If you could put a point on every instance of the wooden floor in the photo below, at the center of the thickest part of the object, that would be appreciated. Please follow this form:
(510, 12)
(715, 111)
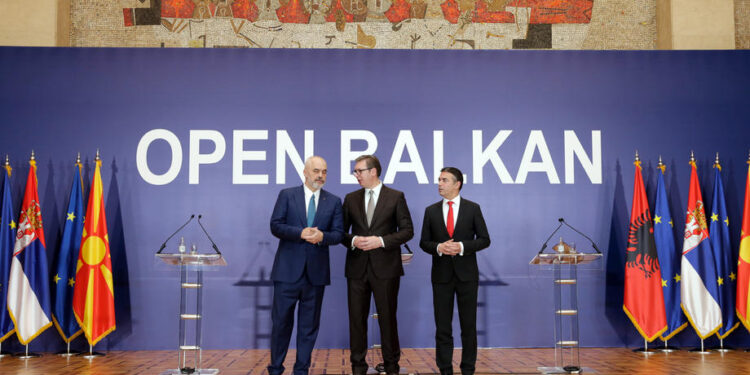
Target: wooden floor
(417, 361)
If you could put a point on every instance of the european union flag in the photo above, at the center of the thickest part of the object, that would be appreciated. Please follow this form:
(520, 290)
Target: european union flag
(64, 279)
(7, 241)
(719, 230)
(669, 260)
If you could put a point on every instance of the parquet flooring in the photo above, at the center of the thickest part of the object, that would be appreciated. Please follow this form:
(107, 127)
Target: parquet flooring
(417, 361)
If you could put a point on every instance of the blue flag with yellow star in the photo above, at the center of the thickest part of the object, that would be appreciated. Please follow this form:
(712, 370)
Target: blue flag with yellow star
(725, 267)
(669, 259)
(7, 241)
(64, 279)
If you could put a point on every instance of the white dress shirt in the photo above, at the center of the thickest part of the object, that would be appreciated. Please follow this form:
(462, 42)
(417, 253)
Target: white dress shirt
(375, 195)
(456, 204)
(309, 193)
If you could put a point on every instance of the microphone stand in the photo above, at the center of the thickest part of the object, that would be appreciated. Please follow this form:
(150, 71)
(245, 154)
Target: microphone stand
(544, 246)
(213, 244)
(163, 245)
(579, 232)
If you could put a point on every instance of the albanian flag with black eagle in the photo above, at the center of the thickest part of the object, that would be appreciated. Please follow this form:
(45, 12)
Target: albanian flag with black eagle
(644, 299)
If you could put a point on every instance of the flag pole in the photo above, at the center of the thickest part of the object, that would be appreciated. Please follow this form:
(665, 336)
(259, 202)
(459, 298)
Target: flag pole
(27, 354)
(92, 354)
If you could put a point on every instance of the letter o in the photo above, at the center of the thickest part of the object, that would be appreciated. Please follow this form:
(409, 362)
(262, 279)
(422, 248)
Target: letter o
(141, 160)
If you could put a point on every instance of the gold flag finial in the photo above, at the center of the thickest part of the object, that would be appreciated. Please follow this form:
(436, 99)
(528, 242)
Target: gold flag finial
(692, 158)
(7, 164)
(661, 166)
(637, 161)
(716, 162)
(33, 157)
(97, 155)
(78, 158)
(748, 157)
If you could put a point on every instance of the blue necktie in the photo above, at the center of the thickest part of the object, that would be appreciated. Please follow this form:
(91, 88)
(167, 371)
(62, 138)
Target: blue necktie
(311, 211)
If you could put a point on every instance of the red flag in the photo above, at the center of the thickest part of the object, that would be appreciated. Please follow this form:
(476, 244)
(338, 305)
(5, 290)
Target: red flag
(743, 263)
(644, 299)
(93, 296)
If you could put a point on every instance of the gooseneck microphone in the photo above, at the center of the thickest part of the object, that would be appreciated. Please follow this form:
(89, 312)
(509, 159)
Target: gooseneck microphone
(544, 246)
(163, 245)
(213, 244)
(579, 232)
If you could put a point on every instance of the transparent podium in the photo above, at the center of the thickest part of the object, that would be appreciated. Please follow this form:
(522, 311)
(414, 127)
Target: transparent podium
(563, 263)
(191, 267)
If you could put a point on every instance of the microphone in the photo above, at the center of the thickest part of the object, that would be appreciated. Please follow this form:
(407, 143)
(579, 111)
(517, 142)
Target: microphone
(579, 232)
(551, 234)
(207, 235)
(163, 245)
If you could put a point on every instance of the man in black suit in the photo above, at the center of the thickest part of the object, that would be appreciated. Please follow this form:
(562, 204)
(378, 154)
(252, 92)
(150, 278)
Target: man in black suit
(453, 231)
(380, 222)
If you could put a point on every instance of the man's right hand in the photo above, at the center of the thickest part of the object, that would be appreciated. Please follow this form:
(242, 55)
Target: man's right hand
(307, 233)
(449, 248)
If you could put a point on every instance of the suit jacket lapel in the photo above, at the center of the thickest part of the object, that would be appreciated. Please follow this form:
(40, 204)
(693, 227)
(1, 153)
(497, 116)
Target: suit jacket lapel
(322, 205)
(300, 197)
(384, 194)
(461, 215)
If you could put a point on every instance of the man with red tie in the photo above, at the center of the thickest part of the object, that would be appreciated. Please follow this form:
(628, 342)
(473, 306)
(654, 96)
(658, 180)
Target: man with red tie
(452, 232)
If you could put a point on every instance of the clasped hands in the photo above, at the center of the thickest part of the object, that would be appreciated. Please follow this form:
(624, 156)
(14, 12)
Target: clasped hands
(367, 243)
(449, 248)
(312, 235)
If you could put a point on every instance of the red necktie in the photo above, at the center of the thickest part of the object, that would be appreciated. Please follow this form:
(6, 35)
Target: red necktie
(449, 220)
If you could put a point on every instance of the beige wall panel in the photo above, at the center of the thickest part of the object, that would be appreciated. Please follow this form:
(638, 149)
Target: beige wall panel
(28, 22)
(697, 24)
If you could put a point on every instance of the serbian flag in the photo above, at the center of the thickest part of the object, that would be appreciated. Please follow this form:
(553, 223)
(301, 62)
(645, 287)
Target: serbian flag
(722, 250)
(64, 279)
(669, 260)
(743, 263)
(28, 287)
(644, 299)
(700, 287)
(7, 239)
(93, 296)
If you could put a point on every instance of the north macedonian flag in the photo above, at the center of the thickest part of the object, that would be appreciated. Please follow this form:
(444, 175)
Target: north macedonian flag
(28, 287)
(644, 298)
(743, 263)
(93, 296)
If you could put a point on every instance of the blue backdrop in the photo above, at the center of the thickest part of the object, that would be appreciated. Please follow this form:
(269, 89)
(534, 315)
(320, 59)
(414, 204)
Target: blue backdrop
(62, 101)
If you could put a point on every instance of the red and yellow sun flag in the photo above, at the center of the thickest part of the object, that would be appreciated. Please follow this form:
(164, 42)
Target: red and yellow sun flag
(93, 297)
(743, 263)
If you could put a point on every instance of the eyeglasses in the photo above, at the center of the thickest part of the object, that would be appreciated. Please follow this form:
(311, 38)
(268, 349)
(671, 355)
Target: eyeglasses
(359, 171)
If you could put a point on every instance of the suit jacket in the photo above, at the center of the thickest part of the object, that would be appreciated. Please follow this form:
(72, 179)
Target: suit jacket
(391, 220)
(294, 254)
(470, 229)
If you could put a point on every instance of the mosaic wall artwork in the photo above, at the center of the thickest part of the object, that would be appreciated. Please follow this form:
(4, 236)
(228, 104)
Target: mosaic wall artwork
(415, 24)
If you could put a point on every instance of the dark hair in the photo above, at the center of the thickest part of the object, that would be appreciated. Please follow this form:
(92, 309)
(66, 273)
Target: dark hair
(371, 161)
(456, 173)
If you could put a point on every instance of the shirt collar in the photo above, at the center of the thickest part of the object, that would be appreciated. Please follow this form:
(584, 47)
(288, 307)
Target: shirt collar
(309, 192)
(376, 189)
(456, 200)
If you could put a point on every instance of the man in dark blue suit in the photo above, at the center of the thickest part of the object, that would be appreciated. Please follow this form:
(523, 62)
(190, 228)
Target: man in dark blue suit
(307, 220)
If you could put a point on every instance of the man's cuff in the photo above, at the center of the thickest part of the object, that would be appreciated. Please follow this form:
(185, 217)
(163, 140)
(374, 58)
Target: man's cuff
(437, 250)
(462, 249)
(352, 245)
(382, 243)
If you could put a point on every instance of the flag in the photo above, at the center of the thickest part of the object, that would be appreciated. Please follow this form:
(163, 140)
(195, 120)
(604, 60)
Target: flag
(64, 278)
(644, 299)
(7, 239)
(28, 287)
(722, 249)
(743, 262)
(669, 260)
(699, 289)
(93, 295)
